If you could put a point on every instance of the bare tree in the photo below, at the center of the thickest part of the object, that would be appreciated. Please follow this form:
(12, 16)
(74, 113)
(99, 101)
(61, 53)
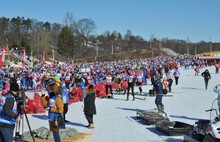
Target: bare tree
(127, 38)
(38, 38)
(85, 27)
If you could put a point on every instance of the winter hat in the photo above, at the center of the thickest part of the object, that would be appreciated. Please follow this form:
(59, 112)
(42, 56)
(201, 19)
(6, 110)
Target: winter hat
(14, 86)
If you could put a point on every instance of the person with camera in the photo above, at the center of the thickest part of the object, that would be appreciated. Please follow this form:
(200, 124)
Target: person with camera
(54, 104)
(11, 112)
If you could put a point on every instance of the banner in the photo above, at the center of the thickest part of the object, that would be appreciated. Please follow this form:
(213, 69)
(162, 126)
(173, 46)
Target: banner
(24, 57)
(2, 57)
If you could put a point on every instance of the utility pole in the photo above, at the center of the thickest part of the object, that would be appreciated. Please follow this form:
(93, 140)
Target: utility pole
(160, 47)
(97, 48)
(152, 51)
(112, 47)
(195, 51)
(187, 47)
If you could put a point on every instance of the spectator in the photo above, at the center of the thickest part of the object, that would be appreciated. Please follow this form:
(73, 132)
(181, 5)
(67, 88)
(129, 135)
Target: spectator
(206, 76)
(54, 104)
(65, 100)
(89, 107)
(158, 87)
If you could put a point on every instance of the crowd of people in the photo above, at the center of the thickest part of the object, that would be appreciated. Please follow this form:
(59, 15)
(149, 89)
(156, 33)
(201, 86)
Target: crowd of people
(57, 81)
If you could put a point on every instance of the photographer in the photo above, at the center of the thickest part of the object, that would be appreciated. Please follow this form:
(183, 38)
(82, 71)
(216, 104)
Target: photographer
(10, 112)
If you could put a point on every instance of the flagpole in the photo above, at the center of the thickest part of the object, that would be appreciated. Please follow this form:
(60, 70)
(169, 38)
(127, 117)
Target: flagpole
(43, 58)
(53, 56)
(32, 62)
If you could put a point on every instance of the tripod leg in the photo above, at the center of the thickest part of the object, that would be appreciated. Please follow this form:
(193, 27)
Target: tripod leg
(22, 129)
(29, 126)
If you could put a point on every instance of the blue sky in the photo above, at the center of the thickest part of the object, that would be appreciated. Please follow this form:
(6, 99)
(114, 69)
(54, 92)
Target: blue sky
(174, 19)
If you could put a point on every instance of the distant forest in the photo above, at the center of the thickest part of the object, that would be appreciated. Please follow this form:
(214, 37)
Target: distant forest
(76, 39)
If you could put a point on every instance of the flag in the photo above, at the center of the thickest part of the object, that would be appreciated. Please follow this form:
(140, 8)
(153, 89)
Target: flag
(32, 60)
(43, 58)
(24, 57)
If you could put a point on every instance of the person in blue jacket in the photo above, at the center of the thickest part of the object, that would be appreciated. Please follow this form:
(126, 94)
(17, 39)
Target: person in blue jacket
(65, 97)
(158, 87)
(217, 90)
(10, 112)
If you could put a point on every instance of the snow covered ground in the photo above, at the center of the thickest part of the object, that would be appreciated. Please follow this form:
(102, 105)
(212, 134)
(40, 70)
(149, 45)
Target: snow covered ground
(116, 118)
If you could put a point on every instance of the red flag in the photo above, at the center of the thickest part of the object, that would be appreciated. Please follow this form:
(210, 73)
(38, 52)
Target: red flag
(43, 58)
(2, 57)
(24, 57)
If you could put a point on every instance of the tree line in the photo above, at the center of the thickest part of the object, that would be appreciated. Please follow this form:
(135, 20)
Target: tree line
(76, 39)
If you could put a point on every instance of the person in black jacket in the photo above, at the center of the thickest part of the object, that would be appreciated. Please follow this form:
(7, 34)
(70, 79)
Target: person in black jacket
(131, 81)
(89, 106)
(10, 112)
(206, 76)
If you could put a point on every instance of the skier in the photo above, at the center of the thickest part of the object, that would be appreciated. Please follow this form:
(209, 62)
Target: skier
(176, 75)
(139, 81)
(131, 82)
(216, 68)
(109, 82)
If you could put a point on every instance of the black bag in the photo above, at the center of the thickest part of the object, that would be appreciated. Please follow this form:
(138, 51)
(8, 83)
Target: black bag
(151, 92)
(59, 122)
(165, 91)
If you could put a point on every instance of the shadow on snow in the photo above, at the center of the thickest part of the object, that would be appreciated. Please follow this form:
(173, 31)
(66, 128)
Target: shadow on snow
(183, 117)
(45, 117)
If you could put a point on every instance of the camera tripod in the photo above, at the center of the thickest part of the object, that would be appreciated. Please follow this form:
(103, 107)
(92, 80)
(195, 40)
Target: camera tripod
(18, 136)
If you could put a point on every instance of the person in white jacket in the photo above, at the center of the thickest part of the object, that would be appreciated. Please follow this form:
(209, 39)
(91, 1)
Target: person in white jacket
(217, 90)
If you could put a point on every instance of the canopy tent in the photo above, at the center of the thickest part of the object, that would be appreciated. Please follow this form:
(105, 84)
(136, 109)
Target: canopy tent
(209, 57)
